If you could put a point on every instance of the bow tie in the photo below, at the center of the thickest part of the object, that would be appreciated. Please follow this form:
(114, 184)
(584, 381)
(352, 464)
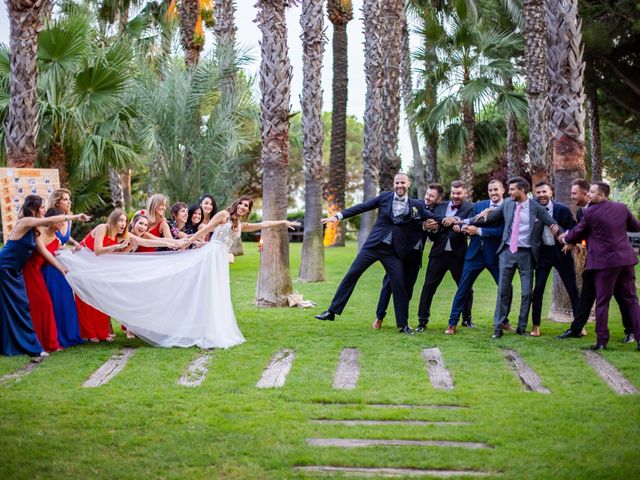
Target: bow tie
(454, 207)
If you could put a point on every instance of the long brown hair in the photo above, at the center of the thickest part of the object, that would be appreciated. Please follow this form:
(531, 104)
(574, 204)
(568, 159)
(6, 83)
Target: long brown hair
(233, 209)
(112, 225)
(56, 196)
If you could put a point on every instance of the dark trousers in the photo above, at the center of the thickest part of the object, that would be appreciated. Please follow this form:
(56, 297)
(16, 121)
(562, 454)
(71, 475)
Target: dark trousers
(436, 270)
(551, 256)
(393, 266)
(470, 272)
(588, 298)
(411, 264)
(607, 282)
(522, 261)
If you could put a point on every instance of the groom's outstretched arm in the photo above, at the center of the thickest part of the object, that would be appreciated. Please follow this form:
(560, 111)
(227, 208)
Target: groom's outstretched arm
(355, 210)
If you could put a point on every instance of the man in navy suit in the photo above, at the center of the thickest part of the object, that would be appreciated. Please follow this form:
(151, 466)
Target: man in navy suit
(412, 262)
(609, 254)
(447, 254)
(397, 230)
(552, 255)
(481, 253)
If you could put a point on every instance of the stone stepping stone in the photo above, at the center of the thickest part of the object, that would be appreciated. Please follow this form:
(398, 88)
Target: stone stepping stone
(276, 372)
(348, 370)
(110, 368)
(610, 374)
(389, 472)
(376, 442)
(392, 405)
(195, 372)
(525, 373)
(21, 372)
(438, 373)
(384, 422)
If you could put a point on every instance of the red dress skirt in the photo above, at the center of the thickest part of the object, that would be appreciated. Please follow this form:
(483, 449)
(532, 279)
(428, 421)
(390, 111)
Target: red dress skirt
(42, 316)
(93, 323)
(155, 231)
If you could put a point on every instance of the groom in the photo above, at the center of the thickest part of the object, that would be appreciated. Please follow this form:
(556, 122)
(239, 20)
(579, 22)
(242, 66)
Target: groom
(398, 230)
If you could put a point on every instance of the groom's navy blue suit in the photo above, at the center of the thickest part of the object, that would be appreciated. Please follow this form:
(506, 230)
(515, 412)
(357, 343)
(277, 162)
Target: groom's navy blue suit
(391, 239)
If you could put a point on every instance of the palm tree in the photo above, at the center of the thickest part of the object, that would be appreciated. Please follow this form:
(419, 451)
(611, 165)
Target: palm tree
(392, 21)
(371, 153)
(274, 278)
(311, 21)
(340, 12)
(26, 19)
(193, 16)
(225, 28)
(535, 55)
(566, 91)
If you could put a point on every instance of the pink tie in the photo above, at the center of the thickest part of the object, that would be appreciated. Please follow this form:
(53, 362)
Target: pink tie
(513, 243)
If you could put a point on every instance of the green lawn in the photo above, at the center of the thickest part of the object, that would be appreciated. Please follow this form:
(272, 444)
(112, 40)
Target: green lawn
(143, 425)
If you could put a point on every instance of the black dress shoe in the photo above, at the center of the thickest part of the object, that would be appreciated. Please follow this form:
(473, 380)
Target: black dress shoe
(521, 331)
(629, 338)
(468, 324)
(568, 334)
(422, 326)
(326, 315)
(407, 329)
(598, 346)
(497, 334)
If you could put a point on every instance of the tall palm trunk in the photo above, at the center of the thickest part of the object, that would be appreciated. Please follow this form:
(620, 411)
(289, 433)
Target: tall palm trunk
(26, 19)
(392, 22)
(311, 21)
(566, 75)
(274, 278)
(407, 93)
(594, 134)
(535, 56)
(192, 43)
(340, 12)
(371, 152)
(431, 154)
(513, 160)
(469, 154)
(431, 93)
(225, 28)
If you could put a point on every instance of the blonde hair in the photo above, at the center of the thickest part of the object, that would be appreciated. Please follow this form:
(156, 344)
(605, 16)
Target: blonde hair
(153, 202)
(56, 196)
(112, 225)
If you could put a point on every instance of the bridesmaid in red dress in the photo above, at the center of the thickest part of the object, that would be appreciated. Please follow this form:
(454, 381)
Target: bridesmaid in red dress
(42, 314)
(158, 226)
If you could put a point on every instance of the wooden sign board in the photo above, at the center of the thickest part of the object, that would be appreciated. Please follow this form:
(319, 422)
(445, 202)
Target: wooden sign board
(16, 184)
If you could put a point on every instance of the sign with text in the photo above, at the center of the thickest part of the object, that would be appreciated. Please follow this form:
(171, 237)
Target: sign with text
(16, 184)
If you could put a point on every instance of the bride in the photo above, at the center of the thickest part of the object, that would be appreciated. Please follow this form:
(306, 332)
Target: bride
(170, 299)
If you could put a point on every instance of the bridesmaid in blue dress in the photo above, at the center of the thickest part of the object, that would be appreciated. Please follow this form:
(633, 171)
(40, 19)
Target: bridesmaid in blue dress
(17, 335)
(64, 305)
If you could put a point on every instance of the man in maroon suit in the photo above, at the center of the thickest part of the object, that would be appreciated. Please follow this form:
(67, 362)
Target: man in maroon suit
(604, 225)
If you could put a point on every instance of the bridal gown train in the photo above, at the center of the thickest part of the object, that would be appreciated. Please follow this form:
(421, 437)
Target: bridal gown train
(169, 299)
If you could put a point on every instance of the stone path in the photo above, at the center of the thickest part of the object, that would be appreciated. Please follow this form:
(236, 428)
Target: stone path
(348, 371)
(610, 374)
(195, 372)
(438, 373)
(389, 472)
(21, 372)
(109, 369)
(525, 373)
(276, 373)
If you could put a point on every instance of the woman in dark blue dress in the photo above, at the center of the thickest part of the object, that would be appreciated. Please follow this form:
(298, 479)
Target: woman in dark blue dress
(17, 335)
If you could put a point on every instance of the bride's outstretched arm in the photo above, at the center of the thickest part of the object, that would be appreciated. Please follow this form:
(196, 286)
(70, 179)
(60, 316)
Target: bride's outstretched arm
(216, 220)
(254, 227)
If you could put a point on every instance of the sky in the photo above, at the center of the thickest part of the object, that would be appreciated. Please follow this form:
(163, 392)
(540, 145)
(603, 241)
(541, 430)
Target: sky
(248, 36)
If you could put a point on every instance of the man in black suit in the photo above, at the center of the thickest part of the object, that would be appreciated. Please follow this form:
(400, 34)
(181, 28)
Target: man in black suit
(397, 230)
(447, 254)
(412, 262)
(553, 255)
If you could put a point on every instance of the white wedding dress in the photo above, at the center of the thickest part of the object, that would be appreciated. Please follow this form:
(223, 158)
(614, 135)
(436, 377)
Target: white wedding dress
(169, 299)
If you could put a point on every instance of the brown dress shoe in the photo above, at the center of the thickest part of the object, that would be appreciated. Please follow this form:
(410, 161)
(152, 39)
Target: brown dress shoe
(506, 326)
(377, 324)
(451, 330)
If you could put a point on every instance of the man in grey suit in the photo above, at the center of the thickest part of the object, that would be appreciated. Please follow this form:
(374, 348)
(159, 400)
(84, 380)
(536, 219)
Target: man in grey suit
(524, 222)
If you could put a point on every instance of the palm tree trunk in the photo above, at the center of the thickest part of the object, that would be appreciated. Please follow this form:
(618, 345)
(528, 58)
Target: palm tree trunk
(225, 28)
(371, 152)
(407, 93)
(334, 233)
(594, 135)
(513, 161)
(26, 19)
(274, 278)
(535, 55)
(566, 74)
(311, 21)
(192, 44)
(432, 175)
(392, 16)
(469, 155)
(117, 197)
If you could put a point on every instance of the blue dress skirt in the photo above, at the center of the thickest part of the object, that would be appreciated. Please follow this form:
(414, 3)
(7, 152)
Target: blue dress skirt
(64, 304)
(17, 335)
